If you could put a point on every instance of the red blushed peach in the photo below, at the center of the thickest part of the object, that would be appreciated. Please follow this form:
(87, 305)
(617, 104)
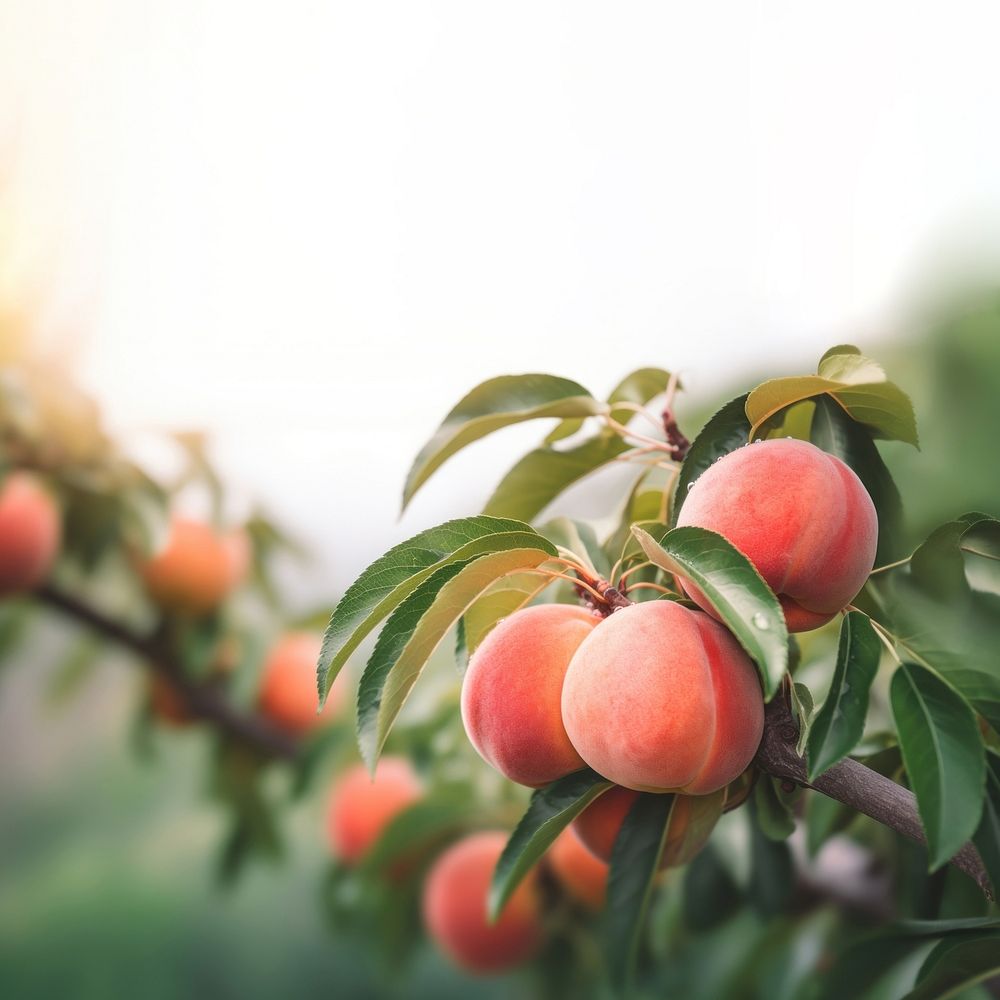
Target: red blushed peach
(583, 876)
(29, 533)
(658, 698)
(801, 516)
(196, 570)
(512, 690)
(454, 907)
(361, 808)
(288, 694)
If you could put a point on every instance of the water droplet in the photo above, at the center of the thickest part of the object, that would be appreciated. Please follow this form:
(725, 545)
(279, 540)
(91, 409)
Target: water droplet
(761, 621)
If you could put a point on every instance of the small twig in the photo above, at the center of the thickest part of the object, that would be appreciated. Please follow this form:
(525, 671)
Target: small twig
(204, 700)
(676, 440)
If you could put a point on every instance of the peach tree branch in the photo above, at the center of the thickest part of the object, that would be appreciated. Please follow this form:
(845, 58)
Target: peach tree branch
(203, 699)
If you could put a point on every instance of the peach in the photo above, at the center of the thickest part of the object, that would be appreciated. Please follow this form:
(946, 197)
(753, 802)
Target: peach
(801, 516)
(512, 690)
(454, 907)
(659, 698)
(581, 874)
(30, 531)
(197, 569)
(288, 694)
(361, 808)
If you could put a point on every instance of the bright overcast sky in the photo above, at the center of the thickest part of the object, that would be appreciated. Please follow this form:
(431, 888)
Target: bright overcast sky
(311, 227)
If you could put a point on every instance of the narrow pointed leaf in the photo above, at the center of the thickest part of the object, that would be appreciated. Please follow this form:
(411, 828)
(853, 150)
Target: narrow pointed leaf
(740, 597)
(492, 405)
(635, 860)
(839, 724)
(943, 755)
(639, 387)
(538, 478)
(691, 823)
(550, 811)
(836, 433)
(395, 575)
(726, 431)
(415, 630)
(957, 964)
(497, 602)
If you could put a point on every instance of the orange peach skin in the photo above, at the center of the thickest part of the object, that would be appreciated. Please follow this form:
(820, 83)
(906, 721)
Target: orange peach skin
(581, 874)
(512, 691)
(454, 908)
(288, 694)
(658, 698)
(29, 533)
(197, 569)
(360, 808)
(801, 516)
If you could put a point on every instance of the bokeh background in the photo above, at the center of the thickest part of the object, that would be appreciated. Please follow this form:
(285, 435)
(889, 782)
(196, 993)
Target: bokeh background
(308, 228)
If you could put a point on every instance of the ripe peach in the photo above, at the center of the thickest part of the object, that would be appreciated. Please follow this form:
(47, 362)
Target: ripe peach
(580, 873)
(29, 533)
(512, 691)
(361, 808)
(197, 569)
(454, 905)
(801, 516)
(658, 698)
(288, 694)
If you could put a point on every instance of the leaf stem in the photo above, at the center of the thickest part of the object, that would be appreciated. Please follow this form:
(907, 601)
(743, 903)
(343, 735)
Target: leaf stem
(888, 566)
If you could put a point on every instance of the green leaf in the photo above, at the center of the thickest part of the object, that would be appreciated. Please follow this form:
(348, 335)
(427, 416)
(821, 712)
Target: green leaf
(858, 384)
(726, 431)
(691, 823)
(774, 817)
(635, 860)
(395, 575)
(580, 539)
(837, 434)
(538, 478)
(957, 964)
(639, 387)
(710, 891)
(495, 404)
(802, 707)
(772, 873)
(550, 811)
(499, 601)
(987, 835)
(735, 589)
(824, 818)
(414, 631)
(839, 724)
(956, 636)
(944, 758)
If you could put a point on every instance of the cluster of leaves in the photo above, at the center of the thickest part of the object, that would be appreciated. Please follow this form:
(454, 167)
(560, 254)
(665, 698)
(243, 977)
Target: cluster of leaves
(930, 619)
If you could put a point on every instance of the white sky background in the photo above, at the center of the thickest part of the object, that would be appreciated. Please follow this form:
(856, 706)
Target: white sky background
(310, 228)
